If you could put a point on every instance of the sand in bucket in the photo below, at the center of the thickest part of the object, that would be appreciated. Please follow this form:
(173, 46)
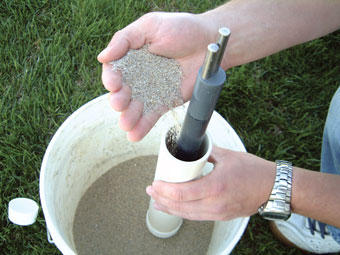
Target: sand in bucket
(110, 218)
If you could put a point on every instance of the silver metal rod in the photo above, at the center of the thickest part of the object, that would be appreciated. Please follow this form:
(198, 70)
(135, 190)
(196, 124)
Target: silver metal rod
(210, 61)
(222, 43)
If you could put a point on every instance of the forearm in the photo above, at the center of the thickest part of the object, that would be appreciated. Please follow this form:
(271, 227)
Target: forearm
(316, 195)
(262, 27)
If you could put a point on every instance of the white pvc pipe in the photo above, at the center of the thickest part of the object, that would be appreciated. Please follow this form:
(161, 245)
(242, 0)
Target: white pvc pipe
(171, 169)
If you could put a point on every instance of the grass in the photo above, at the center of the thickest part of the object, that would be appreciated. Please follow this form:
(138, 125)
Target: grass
(277, 105)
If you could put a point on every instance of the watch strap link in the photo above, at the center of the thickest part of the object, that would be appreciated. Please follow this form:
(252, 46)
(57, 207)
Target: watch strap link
(278, 204)
(282, 189)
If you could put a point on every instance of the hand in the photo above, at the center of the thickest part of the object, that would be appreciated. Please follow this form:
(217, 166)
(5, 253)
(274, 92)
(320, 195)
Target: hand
(182, 36)
(238, 185)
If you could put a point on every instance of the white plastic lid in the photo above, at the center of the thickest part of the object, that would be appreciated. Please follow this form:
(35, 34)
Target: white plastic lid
(22, 211)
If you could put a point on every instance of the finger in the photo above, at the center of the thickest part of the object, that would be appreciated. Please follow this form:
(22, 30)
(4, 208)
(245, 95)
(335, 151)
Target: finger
(187, 191)
(217, 154)
(143, 126)
(120, 99)
(181, 211)
(201, 209)
(116, 49)
(131, 115)
(131, 37)
(193, 210)
(112, 80)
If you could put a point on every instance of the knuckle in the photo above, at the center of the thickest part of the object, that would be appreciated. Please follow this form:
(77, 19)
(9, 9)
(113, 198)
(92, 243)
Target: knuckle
(118, 34)
(177, 195)
(151, 19)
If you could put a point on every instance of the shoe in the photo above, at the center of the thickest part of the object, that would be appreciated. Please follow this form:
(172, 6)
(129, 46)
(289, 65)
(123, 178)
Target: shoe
(303, 233)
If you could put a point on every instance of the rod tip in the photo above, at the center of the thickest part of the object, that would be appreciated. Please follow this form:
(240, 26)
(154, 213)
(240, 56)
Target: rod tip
(213, 47)
(224, 31)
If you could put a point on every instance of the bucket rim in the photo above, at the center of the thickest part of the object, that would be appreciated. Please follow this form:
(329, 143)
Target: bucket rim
(57, 239)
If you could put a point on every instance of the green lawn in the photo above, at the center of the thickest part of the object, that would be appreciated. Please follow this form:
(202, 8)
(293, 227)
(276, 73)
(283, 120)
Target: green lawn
(49, 69)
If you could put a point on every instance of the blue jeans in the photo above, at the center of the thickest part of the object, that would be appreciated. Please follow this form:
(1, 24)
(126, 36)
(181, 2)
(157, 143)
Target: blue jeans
(330, 154)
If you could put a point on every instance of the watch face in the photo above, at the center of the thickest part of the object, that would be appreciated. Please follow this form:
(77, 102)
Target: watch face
(274, 216)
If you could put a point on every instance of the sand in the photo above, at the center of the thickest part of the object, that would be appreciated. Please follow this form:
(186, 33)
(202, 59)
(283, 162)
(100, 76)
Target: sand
(154, 80)
(110, 218)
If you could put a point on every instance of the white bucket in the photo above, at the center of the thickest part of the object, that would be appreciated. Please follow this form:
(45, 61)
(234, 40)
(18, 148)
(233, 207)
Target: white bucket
(91, 139)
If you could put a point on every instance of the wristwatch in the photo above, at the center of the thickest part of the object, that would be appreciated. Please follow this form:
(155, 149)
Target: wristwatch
(278, 205)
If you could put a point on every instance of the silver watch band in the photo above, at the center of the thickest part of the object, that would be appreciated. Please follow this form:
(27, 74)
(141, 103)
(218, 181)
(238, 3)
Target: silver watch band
(282, 190)
(278, 205)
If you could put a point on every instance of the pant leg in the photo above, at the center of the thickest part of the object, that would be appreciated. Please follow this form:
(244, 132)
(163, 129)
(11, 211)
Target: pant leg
(330, 154)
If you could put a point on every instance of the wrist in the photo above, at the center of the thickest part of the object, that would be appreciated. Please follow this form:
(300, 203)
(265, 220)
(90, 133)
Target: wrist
(261, 175)
(213, 20)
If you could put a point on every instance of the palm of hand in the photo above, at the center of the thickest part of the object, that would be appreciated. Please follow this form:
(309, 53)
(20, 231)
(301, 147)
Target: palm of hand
(174, 35)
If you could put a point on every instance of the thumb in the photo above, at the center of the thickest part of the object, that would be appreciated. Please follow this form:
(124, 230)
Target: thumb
(131, 37)
(217, 154)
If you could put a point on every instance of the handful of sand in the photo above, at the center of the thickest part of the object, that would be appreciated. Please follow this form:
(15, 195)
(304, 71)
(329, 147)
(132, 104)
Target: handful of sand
(154, 80)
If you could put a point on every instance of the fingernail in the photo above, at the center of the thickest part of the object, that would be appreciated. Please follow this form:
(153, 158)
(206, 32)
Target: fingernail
(101, 54)
(149, 190)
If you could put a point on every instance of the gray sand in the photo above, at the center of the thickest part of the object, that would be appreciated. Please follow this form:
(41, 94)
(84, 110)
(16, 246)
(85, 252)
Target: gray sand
(154, 80)
(110, 218)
